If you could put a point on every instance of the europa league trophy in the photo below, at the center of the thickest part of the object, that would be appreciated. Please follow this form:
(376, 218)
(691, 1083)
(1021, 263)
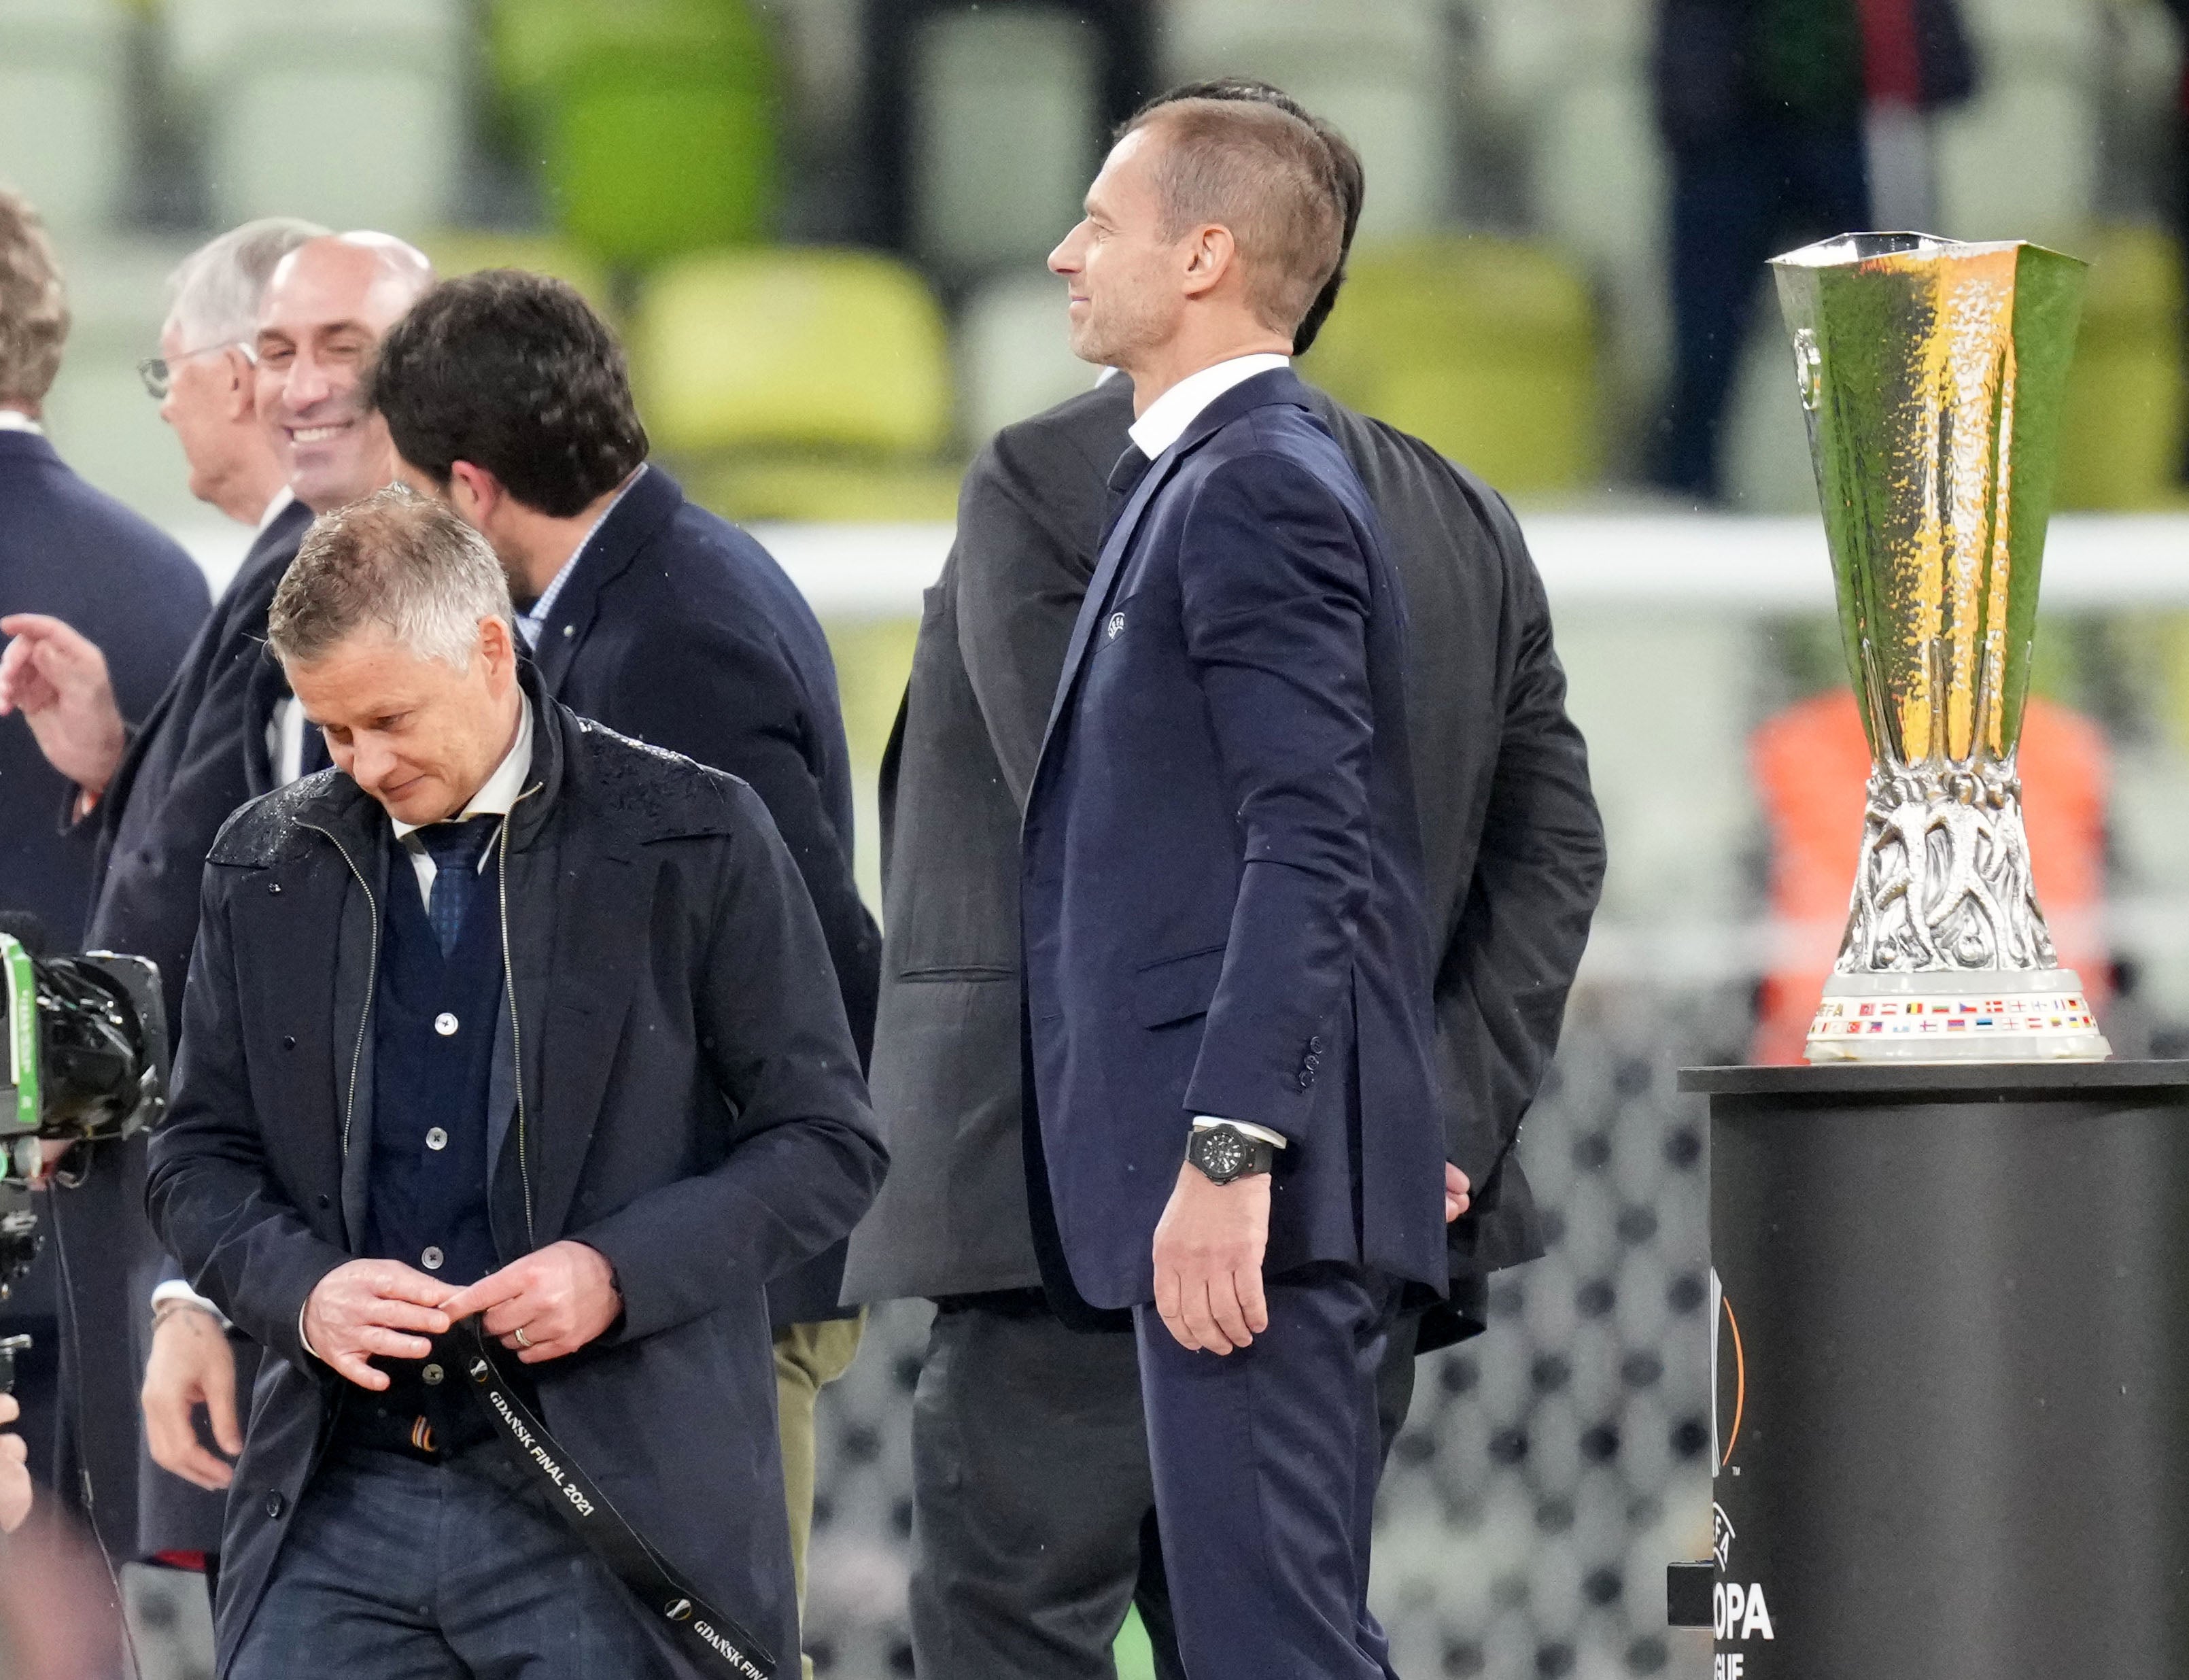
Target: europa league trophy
(1933, 373)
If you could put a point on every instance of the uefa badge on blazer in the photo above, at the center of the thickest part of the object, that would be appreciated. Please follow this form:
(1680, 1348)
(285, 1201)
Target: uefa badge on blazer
(1931, 374)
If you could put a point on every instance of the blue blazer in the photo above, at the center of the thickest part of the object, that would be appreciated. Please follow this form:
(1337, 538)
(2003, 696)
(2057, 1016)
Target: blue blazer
(678, 629)
(1220, 883)
(69, 551)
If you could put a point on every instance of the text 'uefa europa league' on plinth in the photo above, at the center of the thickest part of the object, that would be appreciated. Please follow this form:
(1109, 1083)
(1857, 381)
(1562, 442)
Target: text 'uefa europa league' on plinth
(1949, 1282)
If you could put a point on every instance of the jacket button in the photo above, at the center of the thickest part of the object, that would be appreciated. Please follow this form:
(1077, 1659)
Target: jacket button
(288, 1042)
(444, 1024)
(436, 1139)
(1306, 1079)
(326, 1202)
(432, 1259)
(1314, 1047)
(273, 886)
(275, 1505)
(1312, 1062)
(432, 1375)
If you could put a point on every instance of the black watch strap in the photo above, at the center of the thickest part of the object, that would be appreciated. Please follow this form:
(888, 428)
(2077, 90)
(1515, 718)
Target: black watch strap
(1221, 1153)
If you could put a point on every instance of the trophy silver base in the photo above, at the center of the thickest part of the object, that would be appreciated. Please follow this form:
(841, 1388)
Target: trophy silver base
(1968, 1015)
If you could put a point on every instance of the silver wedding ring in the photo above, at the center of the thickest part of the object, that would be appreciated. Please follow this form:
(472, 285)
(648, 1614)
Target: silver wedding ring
(523, 1340)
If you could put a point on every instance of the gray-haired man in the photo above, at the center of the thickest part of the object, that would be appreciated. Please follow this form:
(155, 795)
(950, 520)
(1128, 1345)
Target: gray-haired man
(510, 1016)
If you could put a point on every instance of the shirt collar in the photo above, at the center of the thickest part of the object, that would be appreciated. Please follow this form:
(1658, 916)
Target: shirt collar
(1170, 413)
(15, 419)
(275, 508)
(498, 795)
(534, 624)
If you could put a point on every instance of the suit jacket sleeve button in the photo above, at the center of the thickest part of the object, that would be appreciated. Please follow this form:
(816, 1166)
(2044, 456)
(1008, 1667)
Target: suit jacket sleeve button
(275, 1505)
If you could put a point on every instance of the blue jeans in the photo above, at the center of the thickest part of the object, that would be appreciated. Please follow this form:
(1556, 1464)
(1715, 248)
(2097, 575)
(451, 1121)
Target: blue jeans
(397, 1569)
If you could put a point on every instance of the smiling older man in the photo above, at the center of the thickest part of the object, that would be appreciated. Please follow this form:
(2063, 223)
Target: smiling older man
(516, 1018)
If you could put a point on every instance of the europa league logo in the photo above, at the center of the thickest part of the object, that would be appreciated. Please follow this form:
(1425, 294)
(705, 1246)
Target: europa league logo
(1932, 375)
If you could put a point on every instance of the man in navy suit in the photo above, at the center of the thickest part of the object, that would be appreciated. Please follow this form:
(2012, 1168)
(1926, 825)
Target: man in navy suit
(1227, 970)
(506, 397)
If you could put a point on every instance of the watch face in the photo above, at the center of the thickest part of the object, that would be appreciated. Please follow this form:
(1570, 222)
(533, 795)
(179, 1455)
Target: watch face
(1223, 1152)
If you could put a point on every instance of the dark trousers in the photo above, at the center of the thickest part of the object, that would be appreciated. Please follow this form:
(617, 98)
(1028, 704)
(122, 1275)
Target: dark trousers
(1756, 193)
(398, 1570)
(1033, 1503)
(1266, 1463)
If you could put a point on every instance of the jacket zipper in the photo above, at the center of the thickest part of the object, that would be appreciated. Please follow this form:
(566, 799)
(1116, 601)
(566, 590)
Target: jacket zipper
(515, 1030)
(371, 981)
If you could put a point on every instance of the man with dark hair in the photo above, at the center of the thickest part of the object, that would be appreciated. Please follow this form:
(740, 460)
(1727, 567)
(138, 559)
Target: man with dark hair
(1033, 1522)
(506, 397)
(508, 1017)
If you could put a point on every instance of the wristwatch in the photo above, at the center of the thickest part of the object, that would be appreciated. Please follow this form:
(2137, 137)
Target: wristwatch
(1223, 1152)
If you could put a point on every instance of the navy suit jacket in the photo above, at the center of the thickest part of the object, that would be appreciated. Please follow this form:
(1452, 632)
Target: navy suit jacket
(1221, 875)
(69, 551)
(680, 630)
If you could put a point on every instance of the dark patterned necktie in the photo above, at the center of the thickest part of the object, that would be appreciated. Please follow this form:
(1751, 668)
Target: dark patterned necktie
(455, 849)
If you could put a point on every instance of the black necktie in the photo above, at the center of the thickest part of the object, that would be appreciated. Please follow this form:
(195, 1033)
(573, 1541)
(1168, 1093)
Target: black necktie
(1127, 473)
(457, 848)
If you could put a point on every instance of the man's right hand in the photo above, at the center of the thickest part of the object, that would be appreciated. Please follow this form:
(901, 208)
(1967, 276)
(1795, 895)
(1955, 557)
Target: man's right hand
(58, 680)
(368, 1307)
(190, 1366)
(14, 1473)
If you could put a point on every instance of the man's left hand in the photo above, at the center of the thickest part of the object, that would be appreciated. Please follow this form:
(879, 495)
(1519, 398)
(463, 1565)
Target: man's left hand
(1209, 1245)
(561, 1296)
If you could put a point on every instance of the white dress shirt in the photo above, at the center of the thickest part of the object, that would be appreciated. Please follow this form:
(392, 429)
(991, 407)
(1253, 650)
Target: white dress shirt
(1170, 413)
(15, 419)
(1156, 431)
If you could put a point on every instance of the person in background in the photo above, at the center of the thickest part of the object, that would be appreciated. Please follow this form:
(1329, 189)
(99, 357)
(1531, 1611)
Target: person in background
(1021, 1426)
(1784, 121)
(225, 729)
(206, 382)
(506, 397)
(67, 551)
(609, 1092)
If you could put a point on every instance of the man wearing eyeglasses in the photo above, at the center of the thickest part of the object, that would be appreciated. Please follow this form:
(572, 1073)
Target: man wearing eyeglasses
(225, 731)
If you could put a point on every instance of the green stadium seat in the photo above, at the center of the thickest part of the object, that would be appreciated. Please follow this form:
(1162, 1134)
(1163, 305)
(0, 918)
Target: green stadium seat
(659, 118)
(2121, 435)
(1485, 347)
(799, 383)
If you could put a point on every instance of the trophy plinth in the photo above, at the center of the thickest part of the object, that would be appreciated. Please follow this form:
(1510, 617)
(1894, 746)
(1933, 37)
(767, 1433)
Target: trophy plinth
(1931, 374)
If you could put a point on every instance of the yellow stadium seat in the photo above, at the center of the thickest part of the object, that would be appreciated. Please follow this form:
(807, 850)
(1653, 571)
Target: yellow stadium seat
(2121, 431)
(795, 347)
(466, 251)
(1484, 347)
(798, 384)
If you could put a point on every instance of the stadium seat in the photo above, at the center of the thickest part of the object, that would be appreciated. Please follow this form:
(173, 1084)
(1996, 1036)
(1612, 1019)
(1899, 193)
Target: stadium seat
(1004, 127)
(1380, 69)
(348, 111)
(1014, 355)
(1485, 347)
(798, 383)
(2122, 433)
(64, 120)
(657, 118)
(466, 251)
